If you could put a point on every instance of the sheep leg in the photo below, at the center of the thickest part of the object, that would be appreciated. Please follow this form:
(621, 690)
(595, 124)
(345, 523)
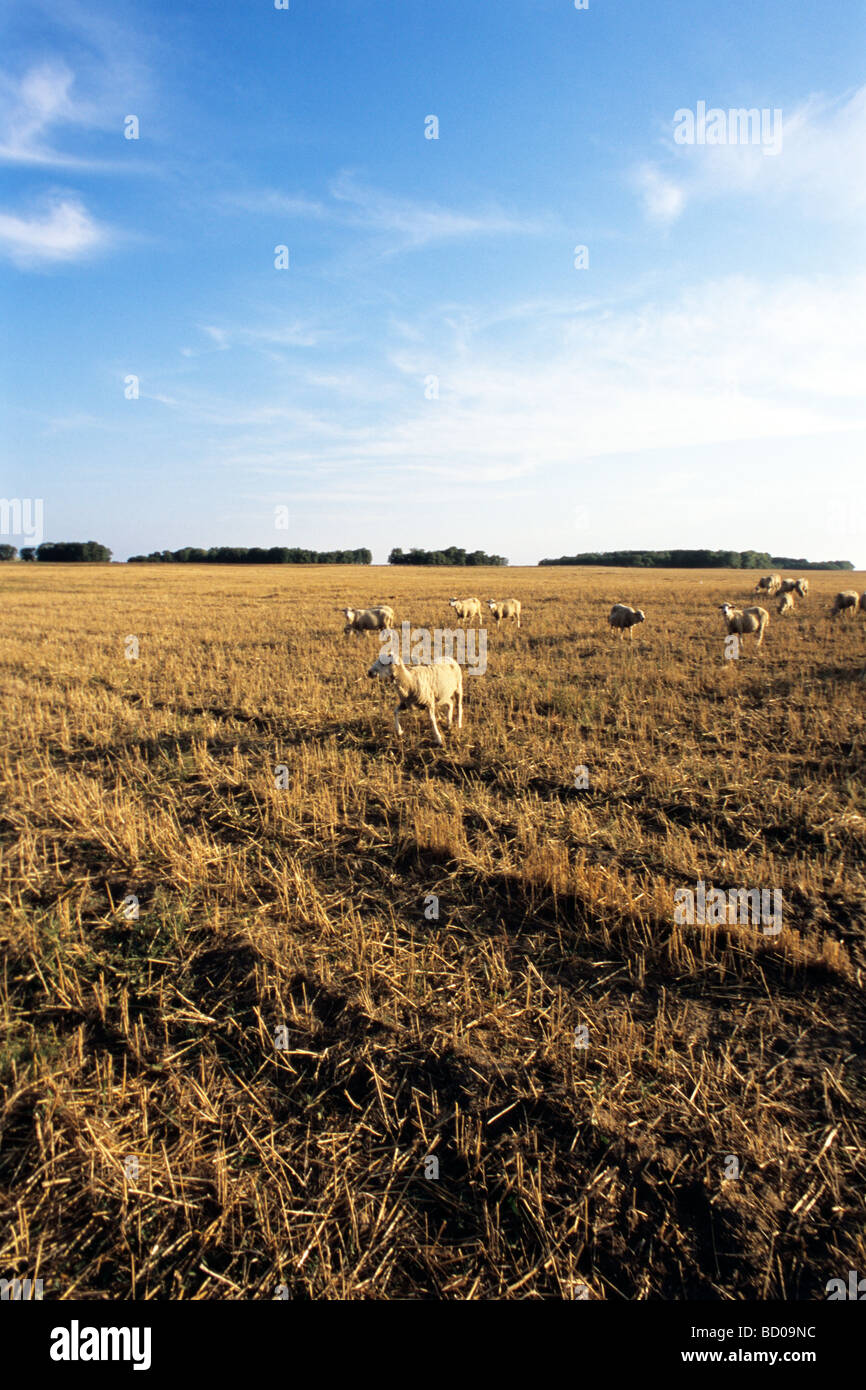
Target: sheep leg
(435, 725)
(459, 698)
(397, 719)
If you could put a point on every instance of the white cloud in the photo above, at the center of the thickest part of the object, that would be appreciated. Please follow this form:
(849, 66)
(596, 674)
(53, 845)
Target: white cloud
(65, 231)
(270, 340)
(220, 336)
(45, 101)
(403, 224)
(727, 361)
(271, 200)
(29, 108)
(663, 200)
(818, 165)
(411, 224)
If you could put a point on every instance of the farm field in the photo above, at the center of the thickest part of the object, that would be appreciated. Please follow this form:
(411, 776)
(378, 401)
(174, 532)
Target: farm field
(250, 1085)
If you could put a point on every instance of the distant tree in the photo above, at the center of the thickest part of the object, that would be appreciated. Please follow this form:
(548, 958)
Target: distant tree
(251, 555)
(784, 562)
(57, 552)
(449, 555)
(8, 552)
(694, 559)
(28, 552)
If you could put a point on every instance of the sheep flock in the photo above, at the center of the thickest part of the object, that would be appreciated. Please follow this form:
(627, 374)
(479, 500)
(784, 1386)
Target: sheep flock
(438, 684)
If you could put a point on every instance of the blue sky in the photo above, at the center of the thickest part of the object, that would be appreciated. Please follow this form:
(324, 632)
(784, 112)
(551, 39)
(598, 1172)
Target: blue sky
(700, 382)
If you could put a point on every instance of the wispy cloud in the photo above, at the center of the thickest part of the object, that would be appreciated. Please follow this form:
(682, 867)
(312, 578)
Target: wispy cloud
(219, 336)
(818, 165)
(294, 334)
(729, 360)
(270, 339)
(42, 104)
(29, 108)
(663, 200)
(410, 224)
(400, 223)
(64, 231)
(267, 200)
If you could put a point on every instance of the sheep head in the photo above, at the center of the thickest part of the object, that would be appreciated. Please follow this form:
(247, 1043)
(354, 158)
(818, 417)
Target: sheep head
(382, 667)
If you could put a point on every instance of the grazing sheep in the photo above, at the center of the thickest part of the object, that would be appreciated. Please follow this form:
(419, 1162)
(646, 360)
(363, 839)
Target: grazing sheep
(743, 620)
(368, 619)
(466, 609)
(845, 602)
(769, 585)
(423, 687)
(785, 604)
(623, 619)
(795, 586)
(863, 602)
(507, 608)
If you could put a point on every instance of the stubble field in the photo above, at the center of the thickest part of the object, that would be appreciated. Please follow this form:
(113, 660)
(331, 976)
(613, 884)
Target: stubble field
(157, 1142)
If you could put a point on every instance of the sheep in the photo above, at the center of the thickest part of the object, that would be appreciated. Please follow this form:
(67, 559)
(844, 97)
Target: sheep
(769, 585)
(743, 620)
(505, 608)
(368, 619)
(423, 687)
(466, 609)
(847, 600)
(794, 586)
(863, 602)
(785, 604)
(623, 619)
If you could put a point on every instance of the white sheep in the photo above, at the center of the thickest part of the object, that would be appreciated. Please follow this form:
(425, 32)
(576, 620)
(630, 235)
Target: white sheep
(769, 585)
(785, 604)
(505, 608)
(743, 620)
(845, 602)
(623, 619)
(794, 586)
(368, 619)
(466, 609)
(423, 687)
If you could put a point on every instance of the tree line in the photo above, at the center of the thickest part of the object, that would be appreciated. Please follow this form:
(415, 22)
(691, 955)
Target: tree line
(58, 551)
(451, 555)
(93, 552)
(252, 555)
(698, 560)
